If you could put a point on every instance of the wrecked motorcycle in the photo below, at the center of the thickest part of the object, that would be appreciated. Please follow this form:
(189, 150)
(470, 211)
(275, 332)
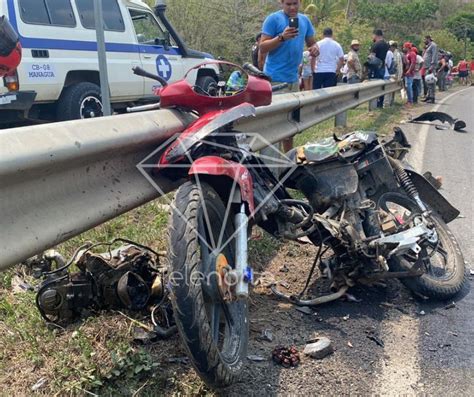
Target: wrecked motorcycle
(379, 217)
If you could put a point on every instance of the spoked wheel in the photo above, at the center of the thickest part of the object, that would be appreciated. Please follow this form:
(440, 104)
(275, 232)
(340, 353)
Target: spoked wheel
(213, 326)
(441, 258)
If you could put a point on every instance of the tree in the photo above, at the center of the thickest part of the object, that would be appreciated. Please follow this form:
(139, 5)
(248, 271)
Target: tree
(321, 10)
(461, 24)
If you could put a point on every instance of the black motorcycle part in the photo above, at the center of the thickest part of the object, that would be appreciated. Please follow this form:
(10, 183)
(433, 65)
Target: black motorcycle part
(431, 196)
(324, 183)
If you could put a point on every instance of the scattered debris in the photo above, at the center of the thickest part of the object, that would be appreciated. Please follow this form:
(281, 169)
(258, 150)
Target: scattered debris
(350, 345)
(422, 313)
(143, 336)
(286, 356)
(319, 349)
(372, 336)
(266, 336)
(346, 317)
(19, 285)
(352, 298)
(376, 340)
(254, 357)
(458, 125)
(452, 305)
(443, 345)
(38, 385)
(284, 284)
(178, 360)
(304, 309)
(284, 269)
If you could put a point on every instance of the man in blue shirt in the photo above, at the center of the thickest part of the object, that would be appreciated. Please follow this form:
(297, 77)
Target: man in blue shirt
(284, 46)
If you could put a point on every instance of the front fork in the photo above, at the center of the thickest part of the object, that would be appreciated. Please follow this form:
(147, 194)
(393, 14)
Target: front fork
(243, 270)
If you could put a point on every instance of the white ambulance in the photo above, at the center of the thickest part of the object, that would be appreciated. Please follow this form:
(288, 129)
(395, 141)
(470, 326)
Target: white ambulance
(60, 60)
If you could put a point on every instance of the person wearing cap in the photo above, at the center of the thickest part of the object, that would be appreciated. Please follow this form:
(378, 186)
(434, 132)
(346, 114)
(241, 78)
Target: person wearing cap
(430, 57)
(330, 61)
(397, 59)
(354, 67)
(409, 71)
(379, 48)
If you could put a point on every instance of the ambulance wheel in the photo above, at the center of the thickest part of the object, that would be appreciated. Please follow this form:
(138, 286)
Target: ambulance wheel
(80, 101)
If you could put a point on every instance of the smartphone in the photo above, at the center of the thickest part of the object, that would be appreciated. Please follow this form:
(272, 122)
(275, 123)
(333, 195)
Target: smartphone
(293, 22)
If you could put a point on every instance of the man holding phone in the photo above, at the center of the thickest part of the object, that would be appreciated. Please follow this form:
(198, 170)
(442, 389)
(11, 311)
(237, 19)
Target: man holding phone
(284, 35)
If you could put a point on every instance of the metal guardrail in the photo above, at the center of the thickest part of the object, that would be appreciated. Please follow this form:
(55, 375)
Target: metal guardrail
(59, 180)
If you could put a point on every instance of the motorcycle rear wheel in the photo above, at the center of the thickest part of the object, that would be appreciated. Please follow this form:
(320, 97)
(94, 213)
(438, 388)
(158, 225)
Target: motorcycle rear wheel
(214, 333)
(445, 276)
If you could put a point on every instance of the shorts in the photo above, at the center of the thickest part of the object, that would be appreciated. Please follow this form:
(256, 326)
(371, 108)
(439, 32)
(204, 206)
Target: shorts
(464, 73)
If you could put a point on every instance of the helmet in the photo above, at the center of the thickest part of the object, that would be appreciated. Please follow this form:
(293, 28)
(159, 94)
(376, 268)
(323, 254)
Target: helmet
(10, 48)
(430, 79)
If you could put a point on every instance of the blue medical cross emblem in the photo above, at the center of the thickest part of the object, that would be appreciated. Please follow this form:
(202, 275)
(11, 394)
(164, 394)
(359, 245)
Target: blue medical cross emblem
(163, 67)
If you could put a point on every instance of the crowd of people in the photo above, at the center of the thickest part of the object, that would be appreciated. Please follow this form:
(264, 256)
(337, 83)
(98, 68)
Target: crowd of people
(280, 51)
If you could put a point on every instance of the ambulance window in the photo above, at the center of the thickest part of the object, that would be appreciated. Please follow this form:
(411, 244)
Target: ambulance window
(146, 27)
(60, 12)
(112, 16)
(47, 12)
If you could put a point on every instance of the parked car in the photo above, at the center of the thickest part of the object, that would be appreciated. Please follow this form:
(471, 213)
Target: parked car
(60, 62)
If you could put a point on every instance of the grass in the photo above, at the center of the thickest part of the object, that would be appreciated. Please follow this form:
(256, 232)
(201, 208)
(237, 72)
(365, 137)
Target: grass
(98, 354)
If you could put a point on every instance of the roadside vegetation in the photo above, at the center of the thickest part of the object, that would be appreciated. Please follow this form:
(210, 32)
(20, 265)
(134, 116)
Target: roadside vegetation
(228, 28)
(98, 355)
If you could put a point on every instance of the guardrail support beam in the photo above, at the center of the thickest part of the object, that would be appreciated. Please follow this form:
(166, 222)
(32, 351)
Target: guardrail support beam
(341, 120)
(373, 104)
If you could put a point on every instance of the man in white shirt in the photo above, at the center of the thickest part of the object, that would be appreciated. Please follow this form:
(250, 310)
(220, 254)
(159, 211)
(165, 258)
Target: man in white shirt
(331, 59)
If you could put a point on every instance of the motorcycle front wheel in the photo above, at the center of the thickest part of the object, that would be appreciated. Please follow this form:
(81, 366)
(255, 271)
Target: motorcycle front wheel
(445, 274)
(214, 331)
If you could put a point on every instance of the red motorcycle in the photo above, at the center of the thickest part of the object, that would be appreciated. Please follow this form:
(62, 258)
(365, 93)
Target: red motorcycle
(379, 217)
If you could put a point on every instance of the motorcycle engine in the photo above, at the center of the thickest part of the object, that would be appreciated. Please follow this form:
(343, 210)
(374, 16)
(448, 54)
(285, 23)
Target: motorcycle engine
(126, 278)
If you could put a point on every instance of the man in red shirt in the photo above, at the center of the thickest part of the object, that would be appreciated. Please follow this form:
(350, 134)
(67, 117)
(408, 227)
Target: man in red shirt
(409, 71)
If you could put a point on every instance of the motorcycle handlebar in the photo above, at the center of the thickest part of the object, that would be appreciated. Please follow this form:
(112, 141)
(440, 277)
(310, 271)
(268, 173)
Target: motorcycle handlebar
(255, 71)
(279, 87)
(140, 72)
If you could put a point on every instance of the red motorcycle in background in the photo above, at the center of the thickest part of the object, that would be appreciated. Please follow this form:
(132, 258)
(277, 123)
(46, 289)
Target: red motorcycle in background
(379, 217)
(10, 48)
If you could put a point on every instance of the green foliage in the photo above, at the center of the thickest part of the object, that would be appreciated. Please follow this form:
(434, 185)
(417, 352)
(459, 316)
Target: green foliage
(399, 18)
(224, 29)
(320, 11)
(461, 24)
(449, 42)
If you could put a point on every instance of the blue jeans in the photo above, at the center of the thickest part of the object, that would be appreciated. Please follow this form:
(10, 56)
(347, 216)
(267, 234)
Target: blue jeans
(409, 88)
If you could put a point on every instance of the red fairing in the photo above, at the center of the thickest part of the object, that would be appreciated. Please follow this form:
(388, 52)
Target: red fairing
(181, 94)
(213, 165)
(10, 48)
(192, 129)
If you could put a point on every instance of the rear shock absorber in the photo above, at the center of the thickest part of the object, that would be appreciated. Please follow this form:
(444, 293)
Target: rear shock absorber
(407, 183)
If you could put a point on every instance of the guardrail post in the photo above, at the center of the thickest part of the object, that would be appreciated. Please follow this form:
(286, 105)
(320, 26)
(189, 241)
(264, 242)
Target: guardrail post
(341, 120)
(373, 104)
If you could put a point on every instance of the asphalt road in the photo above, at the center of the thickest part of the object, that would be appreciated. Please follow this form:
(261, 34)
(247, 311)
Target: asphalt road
(446, 337)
